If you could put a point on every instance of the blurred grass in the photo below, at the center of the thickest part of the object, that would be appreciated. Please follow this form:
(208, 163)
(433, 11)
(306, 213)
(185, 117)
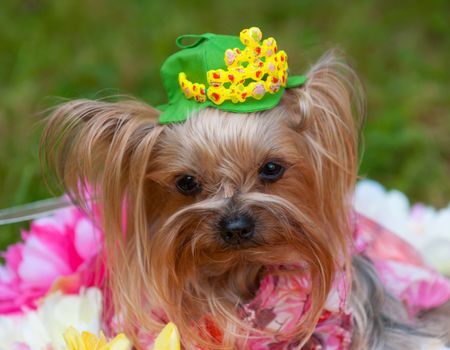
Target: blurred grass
(96, 48)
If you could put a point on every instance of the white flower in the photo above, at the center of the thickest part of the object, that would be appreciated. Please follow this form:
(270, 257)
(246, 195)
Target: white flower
(390, 209)
(44, 328)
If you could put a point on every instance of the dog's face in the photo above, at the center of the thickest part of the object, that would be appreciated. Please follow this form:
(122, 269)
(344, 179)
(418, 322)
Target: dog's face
(238, 196)
(212, 202)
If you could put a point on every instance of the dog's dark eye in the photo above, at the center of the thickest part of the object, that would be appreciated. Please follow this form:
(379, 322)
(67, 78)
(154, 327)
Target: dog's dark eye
(271, 172)
(188, 185)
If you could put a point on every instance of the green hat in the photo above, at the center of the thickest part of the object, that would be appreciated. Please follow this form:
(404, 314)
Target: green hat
(230, 73)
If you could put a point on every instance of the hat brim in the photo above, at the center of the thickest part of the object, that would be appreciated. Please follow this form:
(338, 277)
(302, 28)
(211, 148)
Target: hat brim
(179, 110)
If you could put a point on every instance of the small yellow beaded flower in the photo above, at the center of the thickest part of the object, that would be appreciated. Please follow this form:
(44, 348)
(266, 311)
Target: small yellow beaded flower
(252, 72)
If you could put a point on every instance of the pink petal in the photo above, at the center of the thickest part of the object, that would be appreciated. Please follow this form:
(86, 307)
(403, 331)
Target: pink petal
(13, 256)
(87, 240)
(21, 346)
(7, 292)
(40, 266)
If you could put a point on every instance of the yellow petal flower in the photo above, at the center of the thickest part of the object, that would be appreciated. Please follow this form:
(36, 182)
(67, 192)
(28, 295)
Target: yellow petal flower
(73, 339)
(120, 342)
(88, 341)
(92, 342)
(168, 339)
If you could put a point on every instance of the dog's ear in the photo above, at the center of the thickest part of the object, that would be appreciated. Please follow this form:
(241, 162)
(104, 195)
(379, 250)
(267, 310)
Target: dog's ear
(102, 149)
(106, 150)
(327, 112)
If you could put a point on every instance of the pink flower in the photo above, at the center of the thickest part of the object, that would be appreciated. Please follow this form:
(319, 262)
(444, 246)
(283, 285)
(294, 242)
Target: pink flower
(58, 252)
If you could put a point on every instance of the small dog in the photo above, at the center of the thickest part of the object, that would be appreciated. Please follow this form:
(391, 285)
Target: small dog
(198, 214)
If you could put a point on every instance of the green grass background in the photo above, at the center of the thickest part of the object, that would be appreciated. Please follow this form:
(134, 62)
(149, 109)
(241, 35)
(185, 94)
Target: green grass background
(96, 48)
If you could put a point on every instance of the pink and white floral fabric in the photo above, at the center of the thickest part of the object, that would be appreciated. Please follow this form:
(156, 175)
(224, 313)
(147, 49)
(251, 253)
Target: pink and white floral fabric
(282, 301)
(400, 267)
(283, 298)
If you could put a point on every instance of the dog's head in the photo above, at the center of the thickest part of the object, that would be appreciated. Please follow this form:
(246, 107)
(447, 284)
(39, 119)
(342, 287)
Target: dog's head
(210, 203)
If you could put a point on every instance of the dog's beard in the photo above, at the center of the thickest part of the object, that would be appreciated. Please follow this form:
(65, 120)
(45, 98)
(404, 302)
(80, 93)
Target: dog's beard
(200, 276)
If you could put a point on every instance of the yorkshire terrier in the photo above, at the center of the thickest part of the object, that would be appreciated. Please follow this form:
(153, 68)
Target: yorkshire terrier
(198, 215)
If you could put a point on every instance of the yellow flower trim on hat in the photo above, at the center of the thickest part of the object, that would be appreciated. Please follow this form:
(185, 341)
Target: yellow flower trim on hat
(190, 90)
(260, 63)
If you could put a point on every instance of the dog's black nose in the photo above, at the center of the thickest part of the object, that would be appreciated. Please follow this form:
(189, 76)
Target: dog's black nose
(237, 229)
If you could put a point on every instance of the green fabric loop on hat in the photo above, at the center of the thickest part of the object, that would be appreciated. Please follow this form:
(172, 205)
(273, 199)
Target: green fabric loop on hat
(206, 55)
(197, 40)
